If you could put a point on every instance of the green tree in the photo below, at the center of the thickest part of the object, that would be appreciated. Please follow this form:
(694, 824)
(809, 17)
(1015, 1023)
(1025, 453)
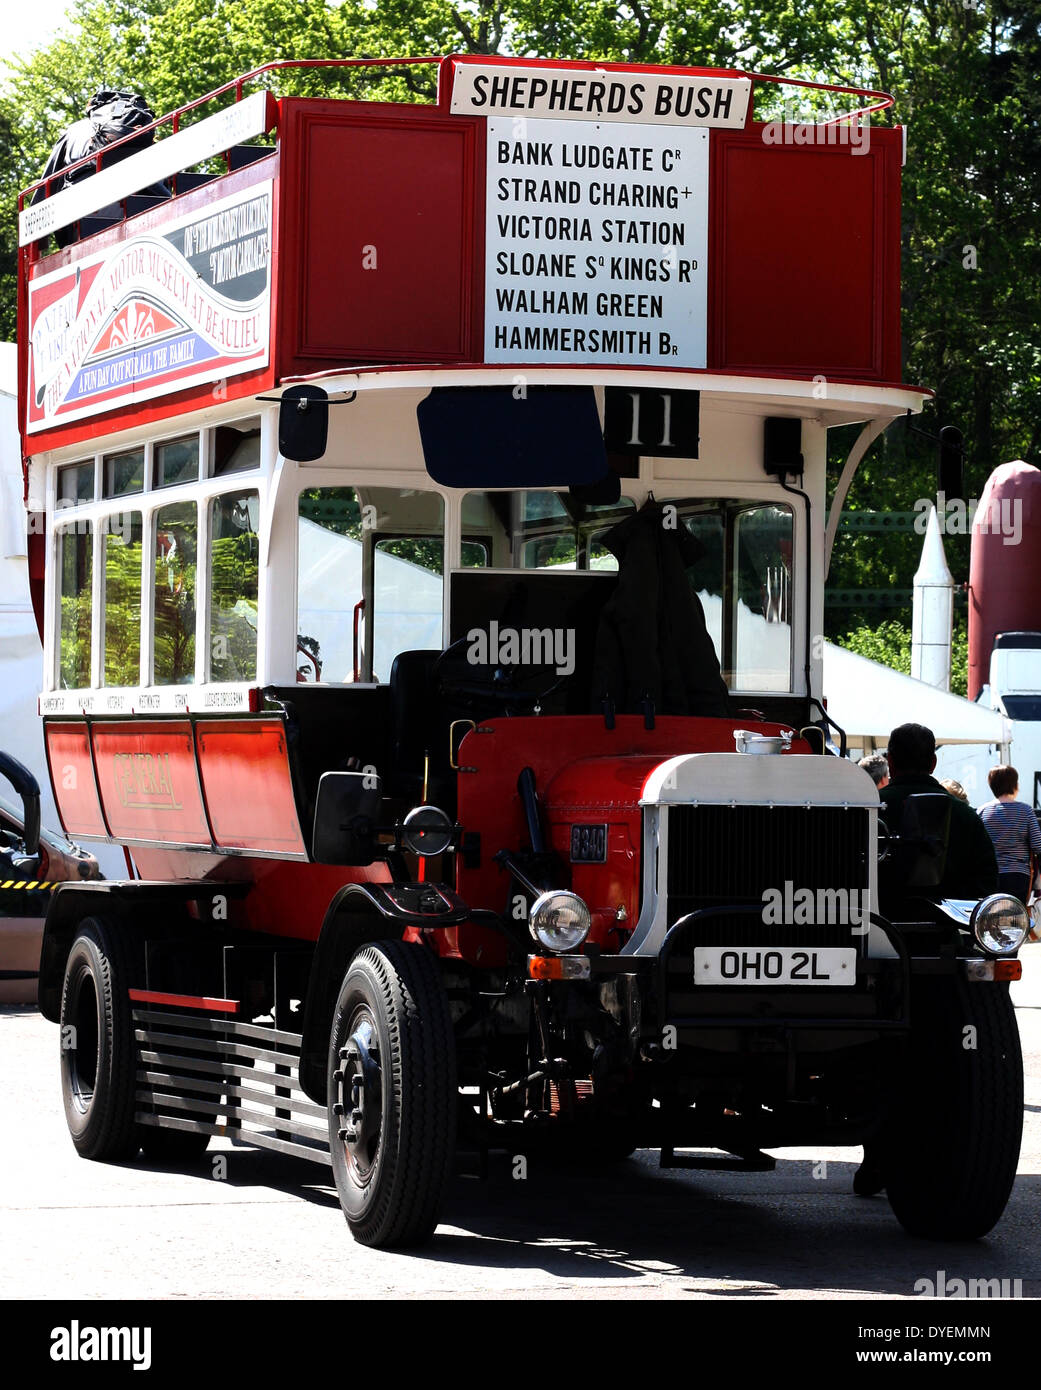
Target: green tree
(964, 78)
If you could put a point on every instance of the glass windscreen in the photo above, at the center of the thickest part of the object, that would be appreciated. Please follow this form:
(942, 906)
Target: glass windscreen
(541, 530)
(744, 581)
(742, 577)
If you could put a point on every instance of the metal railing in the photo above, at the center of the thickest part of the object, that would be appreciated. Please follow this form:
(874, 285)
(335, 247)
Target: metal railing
(173, 119)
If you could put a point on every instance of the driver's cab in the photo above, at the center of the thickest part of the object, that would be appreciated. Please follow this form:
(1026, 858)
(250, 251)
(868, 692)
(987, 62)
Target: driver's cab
(440, 606)
(372, 579)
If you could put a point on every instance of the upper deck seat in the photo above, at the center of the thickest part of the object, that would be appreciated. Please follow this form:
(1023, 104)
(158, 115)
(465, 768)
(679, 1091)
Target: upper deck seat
(189, 179)
(240, 156)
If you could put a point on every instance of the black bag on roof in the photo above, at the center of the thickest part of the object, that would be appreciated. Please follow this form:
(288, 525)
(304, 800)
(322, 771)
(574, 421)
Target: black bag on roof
(111, 115)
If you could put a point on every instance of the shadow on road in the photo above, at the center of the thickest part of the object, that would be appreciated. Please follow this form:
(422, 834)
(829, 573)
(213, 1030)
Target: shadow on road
(781, 1232)
(744, 1235)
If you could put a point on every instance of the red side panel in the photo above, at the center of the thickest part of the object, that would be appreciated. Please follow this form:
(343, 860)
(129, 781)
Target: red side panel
(72, 779)
(804, 256)
(379, 258)
(246, 780)
(148, 782)
(291, 899)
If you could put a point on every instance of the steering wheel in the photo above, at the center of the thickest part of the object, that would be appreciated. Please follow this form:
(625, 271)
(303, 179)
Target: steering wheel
(493, 686)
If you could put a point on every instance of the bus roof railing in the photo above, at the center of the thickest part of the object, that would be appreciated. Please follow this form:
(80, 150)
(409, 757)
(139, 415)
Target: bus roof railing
(175, 153)
(253, 115)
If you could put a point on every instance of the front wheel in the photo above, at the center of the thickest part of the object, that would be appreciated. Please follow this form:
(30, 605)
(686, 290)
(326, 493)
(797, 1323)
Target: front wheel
(952, 1145)
(392, 1094)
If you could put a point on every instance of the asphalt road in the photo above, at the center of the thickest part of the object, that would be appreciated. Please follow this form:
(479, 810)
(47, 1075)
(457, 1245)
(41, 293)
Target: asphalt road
(272, 1226)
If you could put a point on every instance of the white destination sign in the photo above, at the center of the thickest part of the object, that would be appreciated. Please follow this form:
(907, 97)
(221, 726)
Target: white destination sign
(571, 94)
(596, 242)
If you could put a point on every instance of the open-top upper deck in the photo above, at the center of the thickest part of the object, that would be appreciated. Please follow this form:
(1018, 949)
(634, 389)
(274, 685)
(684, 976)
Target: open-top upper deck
(537, 215)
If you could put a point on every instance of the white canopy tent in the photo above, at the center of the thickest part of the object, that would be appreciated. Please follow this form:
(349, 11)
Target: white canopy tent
(869, 701)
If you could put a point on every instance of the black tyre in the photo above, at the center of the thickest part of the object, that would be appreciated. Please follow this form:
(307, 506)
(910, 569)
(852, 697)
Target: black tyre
(951, 1148)
(171, 1145)
(97, 1051)
(392, 1094)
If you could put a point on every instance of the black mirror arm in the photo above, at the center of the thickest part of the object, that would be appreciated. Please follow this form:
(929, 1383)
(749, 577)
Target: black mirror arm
(27, 787)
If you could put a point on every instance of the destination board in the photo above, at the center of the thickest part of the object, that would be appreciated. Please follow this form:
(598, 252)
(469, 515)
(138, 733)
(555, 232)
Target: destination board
(596, 243)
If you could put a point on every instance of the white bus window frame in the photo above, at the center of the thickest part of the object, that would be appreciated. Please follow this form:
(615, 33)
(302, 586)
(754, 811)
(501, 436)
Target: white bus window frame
(147, 502)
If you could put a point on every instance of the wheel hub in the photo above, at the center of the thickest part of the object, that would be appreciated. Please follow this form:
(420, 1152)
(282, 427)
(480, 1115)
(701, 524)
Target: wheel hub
(359, 1096)
(81, 1053)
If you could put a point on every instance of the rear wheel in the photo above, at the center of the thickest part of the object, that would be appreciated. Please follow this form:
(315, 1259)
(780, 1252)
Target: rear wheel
(392, 1094)
(97, 1062)
(952, 1144)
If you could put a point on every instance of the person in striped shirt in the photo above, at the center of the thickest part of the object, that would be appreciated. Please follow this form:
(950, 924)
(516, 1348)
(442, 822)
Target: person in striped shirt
(1013, 827)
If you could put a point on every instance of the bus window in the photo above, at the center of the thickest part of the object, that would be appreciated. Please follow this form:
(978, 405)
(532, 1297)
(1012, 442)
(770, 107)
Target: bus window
(174, 594)
(743, 579)
(407, 597)
(763, 593)
(76, 484)
(176, 462)
(706, 524)
(123, 473)
(370, 561)
(123, 599)
(236, 448)
(475, 555)
(76, 565)
(545, 530)
(328, 582)
(234, 569)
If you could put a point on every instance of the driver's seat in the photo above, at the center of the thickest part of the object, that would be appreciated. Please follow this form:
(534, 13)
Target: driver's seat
(416, 728)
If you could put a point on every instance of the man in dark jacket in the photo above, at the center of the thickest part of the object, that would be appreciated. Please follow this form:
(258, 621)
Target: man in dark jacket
(653, 645)
(971, 869)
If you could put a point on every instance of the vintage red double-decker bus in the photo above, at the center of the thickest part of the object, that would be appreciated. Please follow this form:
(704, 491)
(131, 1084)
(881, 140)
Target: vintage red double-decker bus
(429, 532)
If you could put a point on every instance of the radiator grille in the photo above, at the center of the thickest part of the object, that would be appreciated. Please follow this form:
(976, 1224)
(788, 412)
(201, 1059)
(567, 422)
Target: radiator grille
(721, 855)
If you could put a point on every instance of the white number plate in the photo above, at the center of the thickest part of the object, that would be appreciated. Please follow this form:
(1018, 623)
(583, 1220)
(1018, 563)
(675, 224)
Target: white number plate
(775, 965)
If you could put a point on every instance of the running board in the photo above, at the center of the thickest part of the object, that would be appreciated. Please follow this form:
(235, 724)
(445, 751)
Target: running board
(755, 1161)
(207, 1075)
